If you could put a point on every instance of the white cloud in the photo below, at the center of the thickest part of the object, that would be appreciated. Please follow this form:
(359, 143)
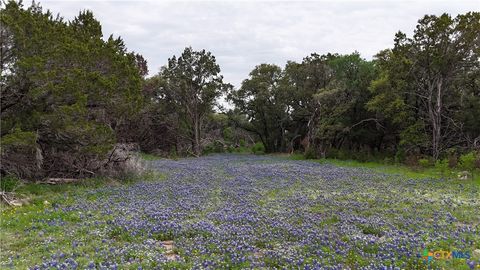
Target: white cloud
(242, 34)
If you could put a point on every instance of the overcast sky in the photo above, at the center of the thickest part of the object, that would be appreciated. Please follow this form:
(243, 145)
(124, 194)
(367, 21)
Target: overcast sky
(243, 34)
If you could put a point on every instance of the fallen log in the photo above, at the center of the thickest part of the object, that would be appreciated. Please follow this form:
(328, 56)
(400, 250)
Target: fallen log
(11, 199)
(56, 181)
(6, 197)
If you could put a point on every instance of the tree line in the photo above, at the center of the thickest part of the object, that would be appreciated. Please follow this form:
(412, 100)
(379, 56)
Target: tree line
(70, 97)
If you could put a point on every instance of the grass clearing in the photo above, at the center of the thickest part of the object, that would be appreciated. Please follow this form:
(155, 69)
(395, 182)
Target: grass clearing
(234, 211)
(43, 224)
(404, 170)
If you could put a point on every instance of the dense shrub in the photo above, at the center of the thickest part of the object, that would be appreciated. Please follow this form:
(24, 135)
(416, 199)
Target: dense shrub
(452, 157)
(388, 160)
(412, 160)
(8, 183)
(363, 155)
(310, 153)
(65, 89)
(258, 148)
(242, 143)
(442, 165)
(241, 149)
(214, 147)
(424, 162)
(468, 161)
(20, 154)
(400, 156)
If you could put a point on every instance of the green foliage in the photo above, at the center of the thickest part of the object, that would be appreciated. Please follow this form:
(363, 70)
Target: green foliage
(341, 102)
(64, 88)
(18, 138)
(372, 230)
(310, 154)
(242, 149)
(173, 153)
(190, 86)
(400, 155)
(414, 137)
(228, 134)
(69, 94)
(214, 147)
(397, 168)
(9, 183)
(262, 104)
(388, 160)
(258, 148)
(242, 143)
(20, 154)
(147, 156)
(424, 162)
(442, 166)
(469, 161)
(279, 105)
(426, 86)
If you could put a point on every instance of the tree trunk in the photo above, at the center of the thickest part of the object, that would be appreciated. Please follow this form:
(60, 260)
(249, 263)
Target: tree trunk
(435, 114)
(311, 125)
(438, 119)
(196, 136)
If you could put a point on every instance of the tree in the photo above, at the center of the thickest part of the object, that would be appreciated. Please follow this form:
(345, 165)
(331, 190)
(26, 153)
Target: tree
(422, 74)
(301, 81)
(64, 92)
(343, 121)
(191, 86)
(261, 99)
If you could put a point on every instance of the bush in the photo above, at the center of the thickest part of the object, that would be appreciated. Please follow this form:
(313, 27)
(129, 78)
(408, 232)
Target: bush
(310, 154)
(337, 154)
(242, 143)
(363, 155)
(468, 161)
(411, 160)
(258, 148)
(442, 166)
(452, 158)
(64, 124)
(400, 156)
(214, 147)
(228, 134)
(388, 160)
(424, 162)
(242, 149)
(20, 154)
(8, 183)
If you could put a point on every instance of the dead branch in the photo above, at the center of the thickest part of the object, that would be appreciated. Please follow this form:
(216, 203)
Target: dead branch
(56, 181)
(363, 121)
(7, 198)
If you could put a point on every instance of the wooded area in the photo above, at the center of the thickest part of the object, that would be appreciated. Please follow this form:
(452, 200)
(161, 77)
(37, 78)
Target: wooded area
(70, 98)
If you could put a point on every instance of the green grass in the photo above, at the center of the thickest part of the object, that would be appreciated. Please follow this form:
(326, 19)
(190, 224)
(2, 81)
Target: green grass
(38, 192)
(430, 172)
(41, 196)
(40, 209)
(147, 156)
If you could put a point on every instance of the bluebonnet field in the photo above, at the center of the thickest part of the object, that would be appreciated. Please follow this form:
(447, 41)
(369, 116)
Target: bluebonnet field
(243, 211)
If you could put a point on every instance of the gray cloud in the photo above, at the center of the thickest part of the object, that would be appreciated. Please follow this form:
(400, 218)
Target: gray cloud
(245, 33)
